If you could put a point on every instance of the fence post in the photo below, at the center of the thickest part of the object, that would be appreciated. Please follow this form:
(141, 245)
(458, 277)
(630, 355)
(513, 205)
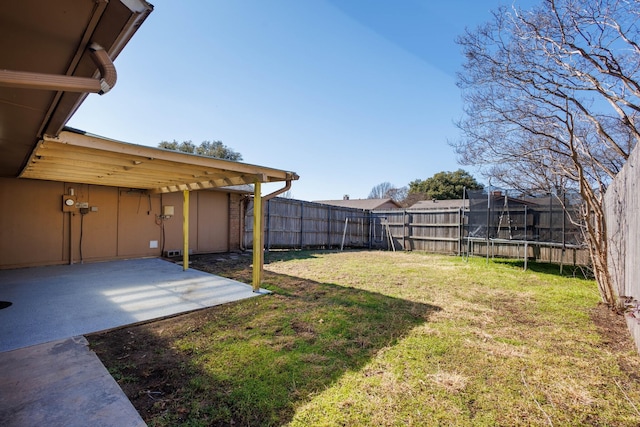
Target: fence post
(370, 214)
(301, 224)
(488, 218)
(329, 227)
(268, 226)
(404, 229)
(459, 231)
(461, 221)
(344, 233)
(564, 230)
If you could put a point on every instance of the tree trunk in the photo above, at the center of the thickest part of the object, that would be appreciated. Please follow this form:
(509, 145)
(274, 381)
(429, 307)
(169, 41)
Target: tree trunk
(596, 239)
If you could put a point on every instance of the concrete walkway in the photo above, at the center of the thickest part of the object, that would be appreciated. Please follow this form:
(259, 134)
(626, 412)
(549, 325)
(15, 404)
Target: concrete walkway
(49, 375)
(61, 383)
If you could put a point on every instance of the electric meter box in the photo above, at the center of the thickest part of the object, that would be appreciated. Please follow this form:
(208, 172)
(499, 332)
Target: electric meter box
(68, 203)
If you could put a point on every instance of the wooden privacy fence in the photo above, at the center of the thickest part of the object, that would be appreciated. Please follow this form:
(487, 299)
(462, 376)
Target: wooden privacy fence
(296, 224)
(438, 231)
(622, 202)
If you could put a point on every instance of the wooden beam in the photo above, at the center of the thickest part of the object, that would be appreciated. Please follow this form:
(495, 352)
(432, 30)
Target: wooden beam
(106, 179)
(79, 157)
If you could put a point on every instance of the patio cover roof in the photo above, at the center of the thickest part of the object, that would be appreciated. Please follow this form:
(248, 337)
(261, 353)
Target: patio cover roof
(75, 156)
(50, 50)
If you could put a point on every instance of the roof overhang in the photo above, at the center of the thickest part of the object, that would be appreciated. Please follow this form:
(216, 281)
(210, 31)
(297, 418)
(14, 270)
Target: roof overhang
(83, 158)
(51, 41)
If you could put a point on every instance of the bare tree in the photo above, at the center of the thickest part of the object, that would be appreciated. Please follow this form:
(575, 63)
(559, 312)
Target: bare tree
(387, 190)
(380, 190)
(552, 99)
(287, 195)
(398, 194)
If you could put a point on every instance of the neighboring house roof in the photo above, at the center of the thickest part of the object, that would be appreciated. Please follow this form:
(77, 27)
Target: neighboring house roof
(367, 204)
(440, 204)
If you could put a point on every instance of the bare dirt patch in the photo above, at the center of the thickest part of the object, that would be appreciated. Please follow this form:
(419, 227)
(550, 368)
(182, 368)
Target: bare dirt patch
(615, 336)
(144, 359)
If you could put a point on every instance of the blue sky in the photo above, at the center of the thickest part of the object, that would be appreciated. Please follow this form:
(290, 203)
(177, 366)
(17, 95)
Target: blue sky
(347, 93)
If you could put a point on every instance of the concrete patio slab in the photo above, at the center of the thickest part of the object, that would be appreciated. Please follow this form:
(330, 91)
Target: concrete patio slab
(49, 375)
(61, 383)
(52, 303)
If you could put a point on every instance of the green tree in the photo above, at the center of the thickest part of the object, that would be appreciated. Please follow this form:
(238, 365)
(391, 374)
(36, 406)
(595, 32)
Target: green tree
(206, 148)
(445, 185)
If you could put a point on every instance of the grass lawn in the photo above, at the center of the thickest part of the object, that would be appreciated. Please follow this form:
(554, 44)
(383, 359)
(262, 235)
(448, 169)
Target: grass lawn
(384, 339)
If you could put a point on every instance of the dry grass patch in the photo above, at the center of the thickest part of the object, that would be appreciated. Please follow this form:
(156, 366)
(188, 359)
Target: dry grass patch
(452, 382)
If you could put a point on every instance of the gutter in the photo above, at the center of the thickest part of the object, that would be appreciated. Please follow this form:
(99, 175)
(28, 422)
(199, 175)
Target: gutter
(264, 199)
(277, 192)
(29, 80)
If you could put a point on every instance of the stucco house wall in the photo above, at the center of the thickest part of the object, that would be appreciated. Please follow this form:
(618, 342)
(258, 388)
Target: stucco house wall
(121, 223)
